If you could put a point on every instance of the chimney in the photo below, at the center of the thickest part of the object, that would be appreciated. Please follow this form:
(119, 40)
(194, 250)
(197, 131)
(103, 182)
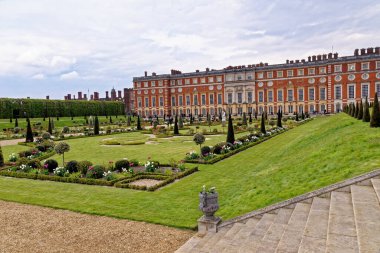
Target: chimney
(309, 58)
(356, 52)
(377, 50)
(362, 51)
(330, 55)
(297, 61)
(314, 58)
(107, 96)
(207, 69)
(145, 73)
(197, 71)
(153, 73)
(319, 57)
(91, 97)
(303, 61)
(85, 96)
(119, 93)
(335, 55)
(287, 61)
(291, 62)
(47, 97)
(370, 50)
(324, 57)
(266, 64)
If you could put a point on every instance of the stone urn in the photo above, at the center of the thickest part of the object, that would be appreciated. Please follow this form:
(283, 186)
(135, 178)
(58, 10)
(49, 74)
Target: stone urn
(208, 204)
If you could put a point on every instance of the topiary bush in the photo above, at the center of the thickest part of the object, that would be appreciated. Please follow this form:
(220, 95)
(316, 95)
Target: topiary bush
(95, 171)
(205, 150)
(50, 165)
(1, 157)
(83, 166)
(72, 166)
(121, 164)
(34, 163)
(46, 136)
(217, 149)
(65, 130)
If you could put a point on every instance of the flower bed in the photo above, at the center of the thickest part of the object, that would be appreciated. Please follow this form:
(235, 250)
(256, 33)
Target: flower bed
(223, 150)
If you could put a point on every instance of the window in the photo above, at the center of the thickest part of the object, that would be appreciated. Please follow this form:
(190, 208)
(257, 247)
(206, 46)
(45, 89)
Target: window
(322, 70)
(240, 110)
(322, 93)
(179, 82)
(161, 101)
(160, 83)
(173, 101)
(289, 73)
(290, 95)
(270, 96)
(138, 85)
(211, 99)
(139, 103)
(260, 75)
(311, 93)
(187, 81)
(337, 68)
(180, 101)
(229, 98)
(230, 78)
(365, 65)
(203, 80)
(195, 80)
(146, 102)
(290, 108)
(153, 83)
(249, 94)
(203, 99)
(280, 74)
(211, 79)
(351, 67)
(195, 99)
(204, 111)
(219, 79)
(261, 96)
(338, 92)
(311, 108)
(240, 97)
(219, 99)
(300, 95)
(249, 77)
(146, 85)
(300, 72)
(153, 101)
(172, 82)
(323, 108)
(378, 89)
(300, 108)
(311, 71)
(279, 96)
(365, 90)
(187, 100)
(239, 77)
(269, 74)
(378, 65)
(351, 91)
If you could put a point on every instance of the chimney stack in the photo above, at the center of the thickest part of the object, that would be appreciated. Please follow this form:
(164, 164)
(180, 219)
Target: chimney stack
(145, 73)
(207, 69)
(154, 74)
(335, 55)
(309, 58)
(330, 55)
(47, 97)
(319, 57)
(297, 61)
(377, 50)
(356, 52)
(362, 51)
(314, 58)
(324, 57)
(370, 50)
(287, 61)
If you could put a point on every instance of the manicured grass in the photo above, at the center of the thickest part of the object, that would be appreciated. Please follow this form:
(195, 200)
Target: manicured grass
(313, 155)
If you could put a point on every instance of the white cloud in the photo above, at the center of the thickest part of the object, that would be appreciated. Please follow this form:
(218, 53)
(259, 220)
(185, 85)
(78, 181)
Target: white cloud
(69, 76)
(38, 76)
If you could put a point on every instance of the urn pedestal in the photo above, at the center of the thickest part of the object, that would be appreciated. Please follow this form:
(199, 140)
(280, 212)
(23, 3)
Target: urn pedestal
(208, 204)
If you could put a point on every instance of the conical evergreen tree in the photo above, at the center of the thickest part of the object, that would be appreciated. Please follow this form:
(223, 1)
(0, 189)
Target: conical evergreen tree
(96, 126)
(375, 117)
(50, 130)
(250, 118)
(1, 157)
(129, 121)
(52, 125)
(29, 133)
(244, 119)
(360, 115)
(180, 122)
(366, 115)
(356, 110)
(230, 132)
(10, 120)
(302, 115)
(297, 116)
(353, 111)
(262, 127)
(279, 119)
(349, 109)
(138, 123)
(111, 120)
(176, 131)
(16, 122)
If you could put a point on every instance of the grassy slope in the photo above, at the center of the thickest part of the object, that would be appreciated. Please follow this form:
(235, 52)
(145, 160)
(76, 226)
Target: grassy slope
(308, 157)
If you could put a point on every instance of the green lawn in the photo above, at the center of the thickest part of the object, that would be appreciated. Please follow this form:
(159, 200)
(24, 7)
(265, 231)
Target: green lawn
(313, 155)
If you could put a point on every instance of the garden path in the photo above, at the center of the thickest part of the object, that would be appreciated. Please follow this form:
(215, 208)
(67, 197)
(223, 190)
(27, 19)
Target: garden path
(10, 142)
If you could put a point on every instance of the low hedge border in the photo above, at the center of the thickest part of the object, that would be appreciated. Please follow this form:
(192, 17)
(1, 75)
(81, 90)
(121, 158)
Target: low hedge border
(166, 180)
(242, 148)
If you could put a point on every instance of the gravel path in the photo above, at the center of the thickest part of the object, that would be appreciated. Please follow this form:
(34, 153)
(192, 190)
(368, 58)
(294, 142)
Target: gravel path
(10, 142)
(27, 228)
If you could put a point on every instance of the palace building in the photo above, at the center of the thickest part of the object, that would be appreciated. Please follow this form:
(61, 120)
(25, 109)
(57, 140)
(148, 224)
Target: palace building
(322, 83)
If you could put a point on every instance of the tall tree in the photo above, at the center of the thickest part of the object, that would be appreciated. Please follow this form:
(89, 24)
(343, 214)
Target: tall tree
(29, 133)
(375, 117)
(129, 121)
(138, 123)
(262, 127)
(50, 129)
(230, 132)
(360, 115)
(244, 119)
(297, 116)
(353, 111)
(96, 125)
(356, 110)
(1, 157)
(176, 131)
(180, 122)
(16, 122)
(279, 118)
(250, 118)
(366, 115)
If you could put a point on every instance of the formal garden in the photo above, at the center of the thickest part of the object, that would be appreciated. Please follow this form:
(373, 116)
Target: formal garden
(251, 162)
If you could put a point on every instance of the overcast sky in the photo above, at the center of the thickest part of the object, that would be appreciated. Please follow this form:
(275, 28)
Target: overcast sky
(51, 47)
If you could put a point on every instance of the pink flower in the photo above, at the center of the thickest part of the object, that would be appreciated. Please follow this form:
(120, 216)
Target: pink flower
(90, 168)
(46, 166)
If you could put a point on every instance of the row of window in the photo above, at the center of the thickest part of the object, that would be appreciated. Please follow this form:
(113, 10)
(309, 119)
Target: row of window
(195, 80)
(179, 101)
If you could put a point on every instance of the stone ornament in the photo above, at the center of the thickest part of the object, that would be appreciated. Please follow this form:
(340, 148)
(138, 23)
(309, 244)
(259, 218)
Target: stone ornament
(139, 92)
(351, 77)
(172, 90)
(338, 78)
(365, 76)
(208, 202)
(153, 91)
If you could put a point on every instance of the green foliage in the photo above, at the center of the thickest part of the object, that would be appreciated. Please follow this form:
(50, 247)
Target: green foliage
(46, 136)
(29, 133)
(262, 126)
(357, 110)
(375, 117)
(230, 131)
(83, 166)
(180, 122)
(138, 123)
(50, 129)
(366, 116)
(176, 130)
(1, 157)
(72, 166)
(61, 148)
(279, 118)
(205, 150)
(95, 171)
(244, 119)
(121, 164)
(360, 114)
(50, 165)
(96, 126)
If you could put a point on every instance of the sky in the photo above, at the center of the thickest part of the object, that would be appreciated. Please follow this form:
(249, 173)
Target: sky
(51, 47)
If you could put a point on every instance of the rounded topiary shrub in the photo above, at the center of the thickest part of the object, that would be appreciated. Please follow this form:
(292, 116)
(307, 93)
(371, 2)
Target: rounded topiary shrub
(46, 136)
(95, 171)
(217, 148)
(65, 130)
(34, 163)
(50, 165)
(205, 150)
(121, 164)
(41, 148)
(72, 166)
(83, 166)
